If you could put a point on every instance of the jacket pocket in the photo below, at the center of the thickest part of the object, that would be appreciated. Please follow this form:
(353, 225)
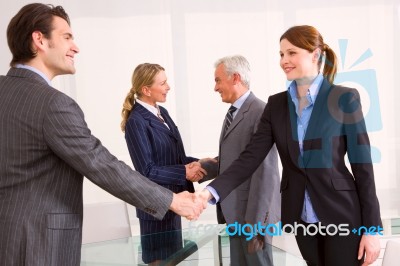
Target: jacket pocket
(63, 239)
(343, 184)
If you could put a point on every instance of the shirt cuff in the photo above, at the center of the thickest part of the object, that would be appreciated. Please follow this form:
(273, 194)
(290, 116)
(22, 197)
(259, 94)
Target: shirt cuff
(215, 195)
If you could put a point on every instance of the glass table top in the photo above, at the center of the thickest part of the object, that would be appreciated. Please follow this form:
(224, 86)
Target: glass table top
(200, 247)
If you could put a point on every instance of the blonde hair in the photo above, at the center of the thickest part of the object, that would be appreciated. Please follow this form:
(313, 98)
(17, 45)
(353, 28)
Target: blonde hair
(308, 38)
(143, 75)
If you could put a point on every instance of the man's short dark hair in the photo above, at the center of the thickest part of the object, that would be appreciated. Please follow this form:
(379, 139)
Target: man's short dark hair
(31, 18)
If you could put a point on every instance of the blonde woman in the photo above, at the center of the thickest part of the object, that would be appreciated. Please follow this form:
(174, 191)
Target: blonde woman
(157, 152)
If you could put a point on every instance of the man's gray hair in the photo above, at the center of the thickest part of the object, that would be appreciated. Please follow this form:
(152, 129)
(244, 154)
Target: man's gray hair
(236, 64)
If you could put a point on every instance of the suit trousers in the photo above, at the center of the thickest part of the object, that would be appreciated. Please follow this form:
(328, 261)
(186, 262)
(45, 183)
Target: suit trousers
(326, 250)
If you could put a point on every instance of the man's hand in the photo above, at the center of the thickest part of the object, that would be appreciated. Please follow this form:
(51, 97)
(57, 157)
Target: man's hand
(255, 244)
(187, 205)
(211, 166)
(203, 196)
(371, 246)
(194, 171)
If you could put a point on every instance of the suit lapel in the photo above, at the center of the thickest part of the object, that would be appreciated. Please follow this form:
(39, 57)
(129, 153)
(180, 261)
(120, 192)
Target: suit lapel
(239, 116)
(153, 120)
(291, 133)
(313, 133)
(172, 127)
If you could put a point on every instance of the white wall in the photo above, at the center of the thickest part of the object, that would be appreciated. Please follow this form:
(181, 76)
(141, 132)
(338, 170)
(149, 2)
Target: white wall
(187, 36)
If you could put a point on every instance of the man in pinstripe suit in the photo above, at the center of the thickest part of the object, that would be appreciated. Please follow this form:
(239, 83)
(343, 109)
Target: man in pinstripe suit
(46, 149)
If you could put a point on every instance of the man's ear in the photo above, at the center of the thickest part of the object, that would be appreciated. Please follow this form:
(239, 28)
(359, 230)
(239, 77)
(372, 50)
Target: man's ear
(37, 39)
(236, 78)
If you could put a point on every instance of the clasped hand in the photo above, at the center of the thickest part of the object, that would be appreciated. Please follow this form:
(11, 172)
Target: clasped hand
(188, 205)
(195, 171)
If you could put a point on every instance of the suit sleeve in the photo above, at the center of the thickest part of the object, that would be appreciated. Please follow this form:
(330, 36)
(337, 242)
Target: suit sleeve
(359, 154)
(243, 167)
(212, 170)
(140, 149)
(68, 136)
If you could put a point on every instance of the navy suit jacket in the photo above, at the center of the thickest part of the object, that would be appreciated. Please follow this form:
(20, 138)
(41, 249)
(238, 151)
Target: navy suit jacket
(336, 127)
(157, 152)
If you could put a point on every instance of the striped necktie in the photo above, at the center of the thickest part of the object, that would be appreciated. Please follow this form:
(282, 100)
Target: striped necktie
(229, 117)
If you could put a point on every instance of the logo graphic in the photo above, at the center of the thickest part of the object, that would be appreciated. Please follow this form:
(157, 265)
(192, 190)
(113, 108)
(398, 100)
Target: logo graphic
(342, 117)
(251, 230)
(366, 83)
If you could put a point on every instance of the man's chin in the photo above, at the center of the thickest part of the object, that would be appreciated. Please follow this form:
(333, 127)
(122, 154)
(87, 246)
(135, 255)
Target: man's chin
(70, 71)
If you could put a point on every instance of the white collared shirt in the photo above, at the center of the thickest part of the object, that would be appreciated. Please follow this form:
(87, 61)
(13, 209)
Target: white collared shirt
(152, 109)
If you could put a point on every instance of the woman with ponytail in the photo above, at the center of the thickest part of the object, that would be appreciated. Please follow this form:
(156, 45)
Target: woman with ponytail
(157, 152)
(315, 125)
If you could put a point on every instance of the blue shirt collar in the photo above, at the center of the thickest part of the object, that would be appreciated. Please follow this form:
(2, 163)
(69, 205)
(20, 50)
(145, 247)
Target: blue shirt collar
(37, 71)
(239, 102)
(312, 90)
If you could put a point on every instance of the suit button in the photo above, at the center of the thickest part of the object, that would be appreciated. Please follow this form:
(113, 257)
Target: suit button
(148, 210)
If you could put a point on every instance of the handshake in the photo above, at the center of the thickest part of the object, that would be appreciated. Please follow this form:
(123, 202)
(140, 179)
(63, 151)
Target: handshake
(197, 171)
(190, 205)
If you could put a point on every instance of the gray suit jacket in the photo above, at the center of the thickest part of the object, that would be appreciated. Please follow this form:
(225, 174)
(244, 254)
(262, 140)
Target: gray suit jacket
(45, 150)
(257, 199)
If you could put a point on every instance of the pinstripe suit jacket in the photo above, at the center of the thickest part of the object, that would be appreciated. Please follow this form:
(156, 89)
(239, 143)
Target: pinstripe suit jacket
(157, 152)
(45, 150)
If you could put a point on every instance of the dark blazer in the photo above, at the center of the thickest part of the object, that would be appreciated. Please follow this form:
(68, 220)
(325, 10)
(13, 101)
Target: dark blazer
(157, 152)
(336, 127)
(45, 150)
